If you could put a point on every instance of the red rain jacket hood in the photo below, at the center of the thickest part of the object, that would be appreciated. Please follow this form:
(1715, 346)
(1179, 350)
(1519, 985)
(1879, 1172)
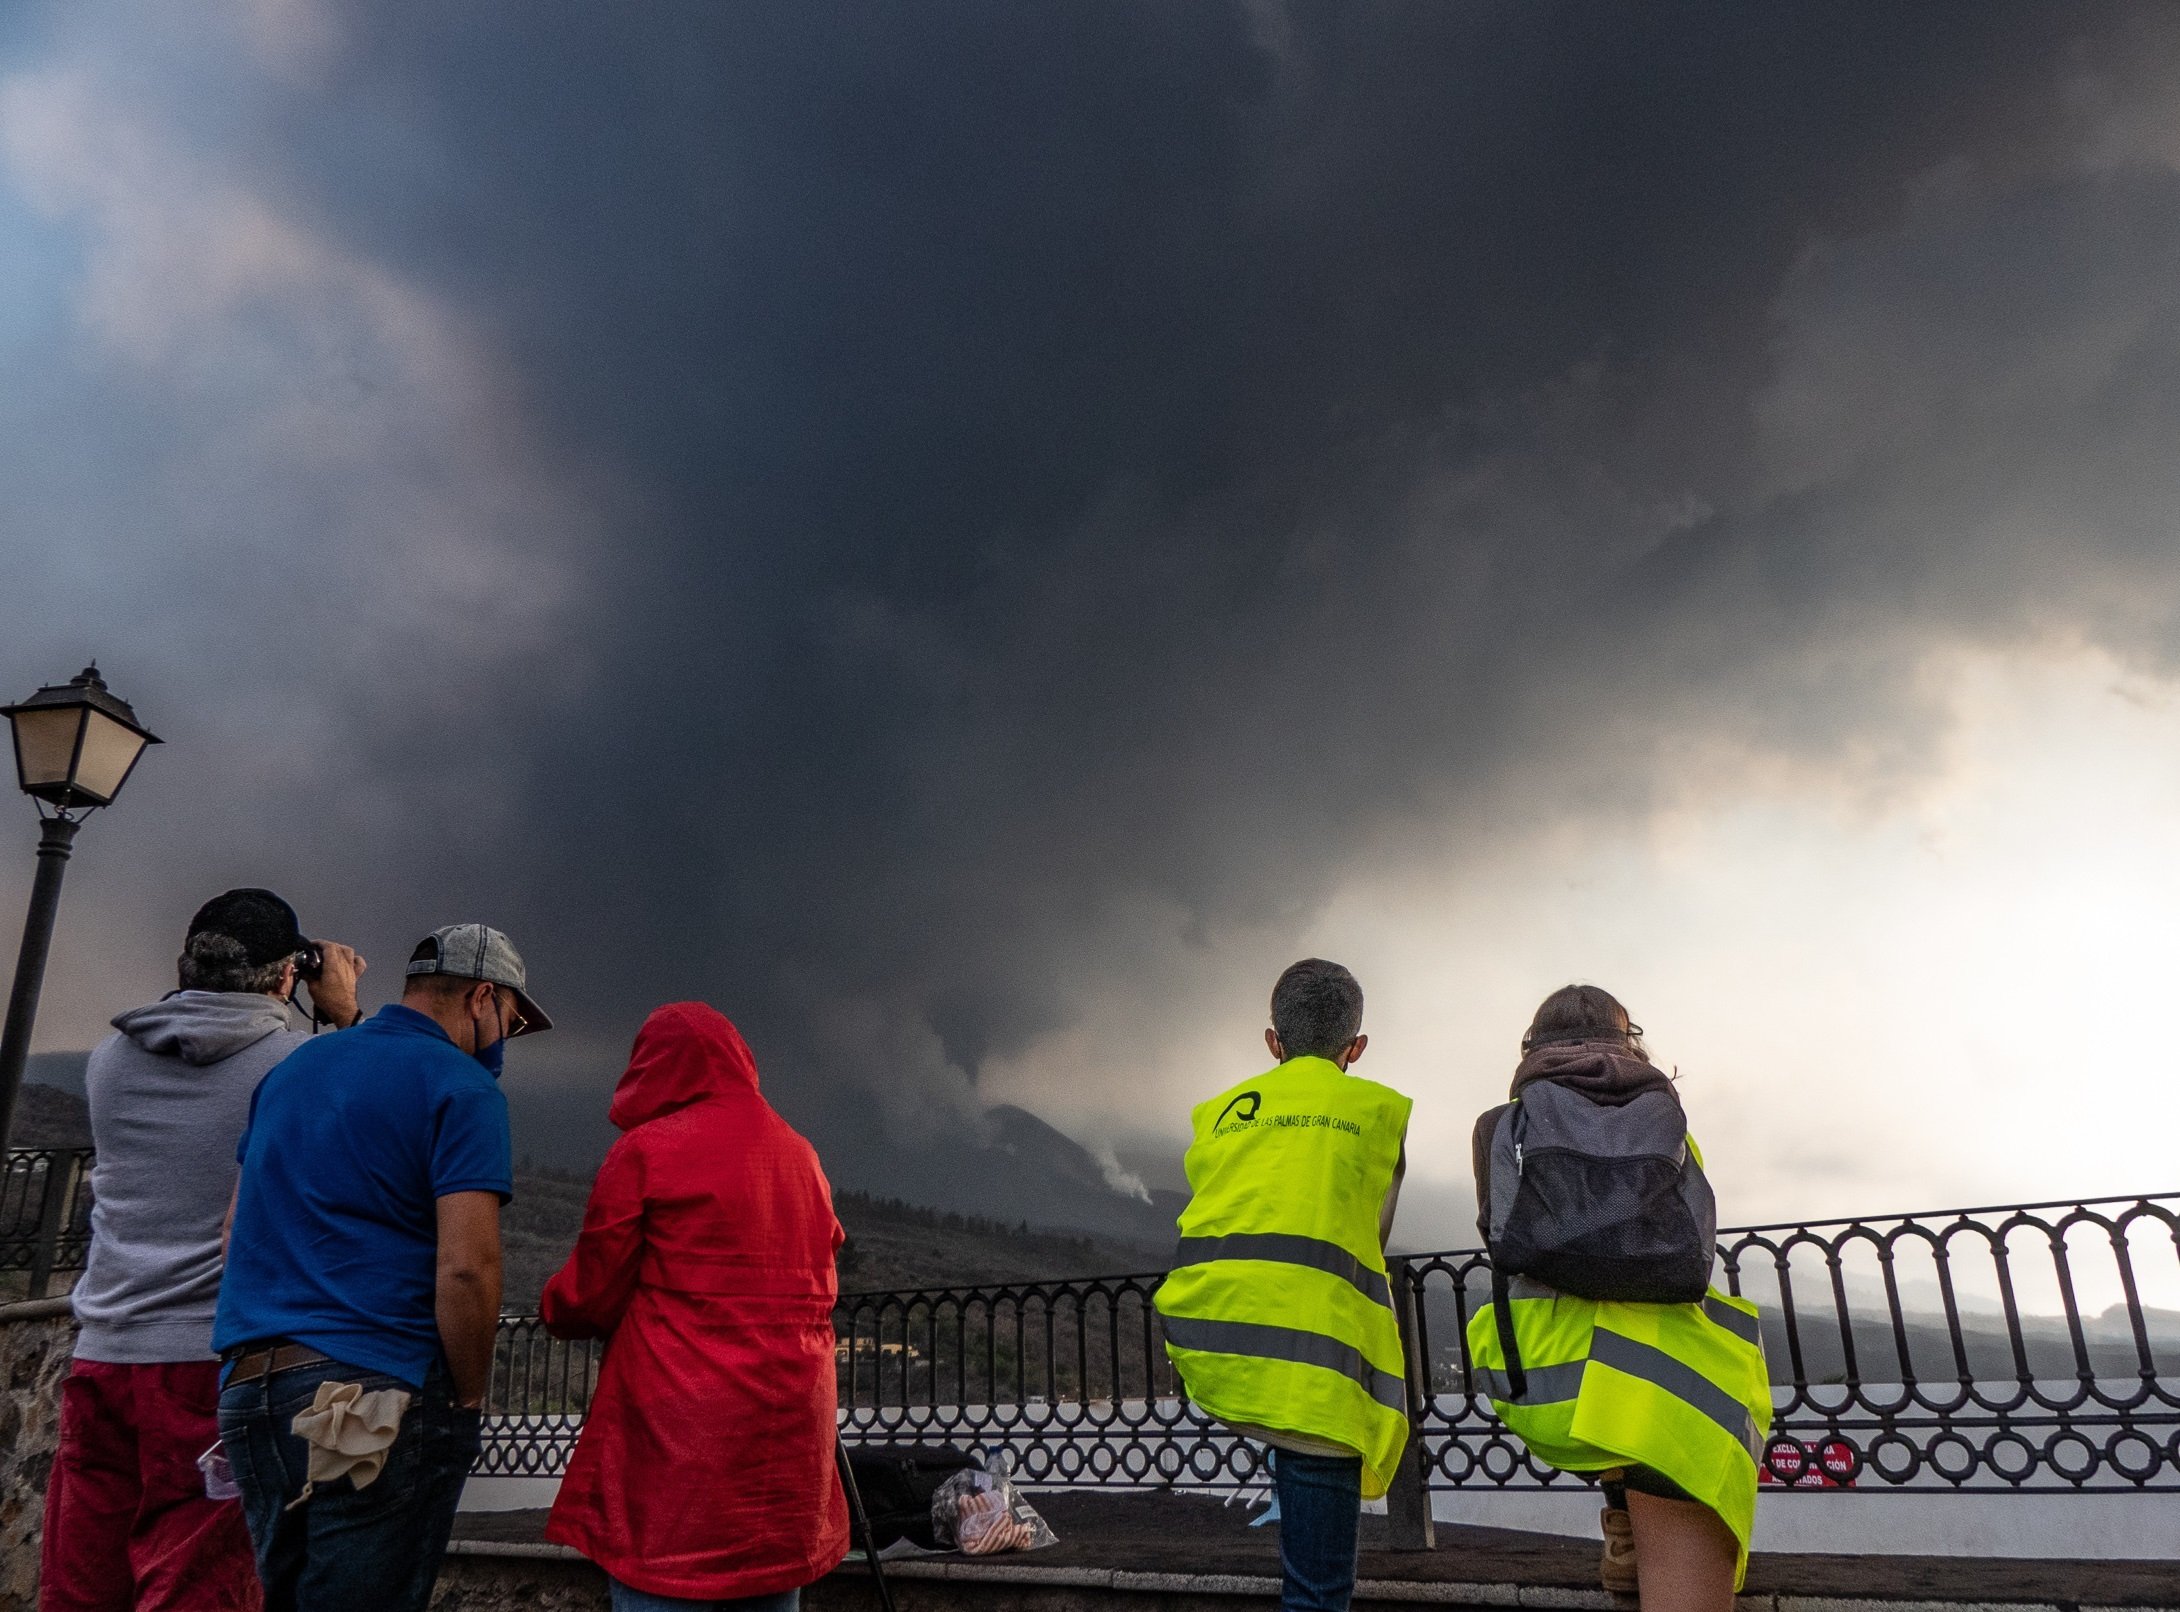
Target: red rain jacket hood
(705, 1466)
(685, 1053)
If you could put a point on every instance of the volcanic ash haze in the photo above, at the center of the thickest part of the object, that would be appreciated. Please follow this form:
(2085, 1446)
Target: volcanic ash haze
(971, 536)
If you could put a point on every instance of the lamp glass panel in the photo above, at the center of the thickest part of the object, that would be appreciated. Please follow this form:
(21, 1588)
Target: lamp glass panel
(45, 743)
(109, 750)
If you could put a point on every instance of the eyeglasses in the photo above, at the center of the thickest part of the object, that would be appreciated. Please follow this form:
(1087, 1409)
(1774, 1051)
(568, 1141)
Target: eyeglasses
(513, 1021)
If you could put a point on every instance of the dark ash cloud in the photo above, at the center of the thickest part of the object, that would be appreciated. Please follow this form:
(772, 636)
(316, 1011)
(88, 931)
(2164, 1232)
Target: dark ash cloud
(895, 519)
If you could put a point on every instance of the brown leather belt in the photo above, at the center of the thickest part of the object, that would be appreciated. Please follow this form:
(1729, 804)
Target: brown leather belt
(251, 1364)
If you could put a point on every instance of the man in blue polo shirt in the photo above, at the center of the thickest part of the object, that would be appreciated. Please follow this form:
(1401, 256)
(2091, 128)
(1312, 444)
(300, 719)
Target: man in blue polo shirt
(365, 1250)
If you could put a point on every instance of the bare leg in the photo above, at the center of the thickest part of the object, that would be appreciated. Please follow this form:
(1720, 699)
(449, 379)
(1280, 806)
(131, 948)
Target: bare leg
(1684, 1555)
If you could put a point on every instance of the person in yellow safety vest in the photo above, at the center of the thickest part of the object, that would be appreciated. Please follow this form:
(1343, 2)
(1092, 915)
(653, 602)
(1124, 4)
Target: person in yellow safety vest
(1278, 1313)
(1669, 1403)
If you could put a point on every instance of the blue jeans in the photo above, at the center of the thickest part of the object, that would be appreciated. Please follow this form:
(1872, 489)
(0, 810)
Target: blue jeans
(627, 1598)
(345, 1549)
(1320, 1512)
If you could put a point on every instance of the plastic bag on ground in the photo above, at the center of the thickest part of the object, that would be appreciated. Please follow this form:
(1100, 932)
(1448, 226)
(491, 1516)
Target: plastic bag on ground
(981, 1513)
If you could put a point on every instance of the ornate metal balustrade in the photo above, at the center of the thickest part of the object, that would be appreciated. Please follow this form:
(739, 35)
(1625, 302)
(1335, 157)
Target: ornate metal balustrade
(2030, 1348)
(2024, 1349)
(541, 1386)
(1071, 1378)
(2017, 1349)
(45, 1214)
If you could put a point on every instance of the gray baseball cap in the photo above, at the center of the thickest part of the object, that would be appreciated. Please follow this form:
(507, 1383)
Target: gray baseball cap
(477, 952)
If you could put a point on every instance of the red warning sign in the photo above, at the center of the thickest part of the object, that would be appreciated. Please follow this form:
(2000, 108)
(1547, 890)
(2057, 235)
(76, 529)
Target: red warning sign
(1789, 1463)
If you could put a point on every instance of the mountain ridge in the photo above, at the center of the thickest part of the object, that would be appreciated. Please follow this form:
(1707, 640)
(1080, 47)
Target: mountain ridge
(893, 1243)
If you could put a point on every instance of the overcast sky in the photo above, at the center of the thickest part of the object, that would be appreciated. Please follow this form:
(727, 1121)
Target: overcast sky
(970, 535)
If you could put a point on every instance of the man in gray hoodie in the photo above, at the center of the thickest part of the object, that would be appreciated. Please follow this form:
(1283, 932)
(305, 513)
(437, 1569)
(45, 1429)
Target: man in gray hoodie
(129, 1522)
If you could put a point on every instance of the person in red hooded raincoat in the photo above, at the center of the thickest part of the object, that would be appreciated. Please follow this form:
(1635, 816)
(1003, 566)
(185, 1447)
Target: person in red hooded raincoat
(705, 1468)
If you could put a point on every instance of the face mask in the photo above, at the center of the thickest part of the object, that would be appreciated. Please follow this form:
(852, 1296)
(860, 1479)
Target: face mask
(494, 1057)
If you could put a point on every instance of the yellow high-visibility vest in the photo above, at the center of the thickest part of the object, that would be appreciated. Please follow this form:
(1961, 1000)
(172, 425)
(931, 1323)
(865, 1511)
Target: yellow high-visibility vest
(1279, 1312)
(1680, 1388)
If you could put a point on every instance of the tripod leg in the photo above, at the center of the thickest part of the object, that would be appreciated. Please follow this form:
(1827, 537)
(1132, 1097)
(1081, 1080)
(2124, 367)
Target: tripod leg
(859, 1523)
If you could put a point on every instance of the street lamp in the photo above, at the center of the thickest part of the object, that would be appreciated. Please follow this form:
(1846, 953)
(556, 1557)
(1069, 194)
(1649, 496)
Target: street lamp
(75, 746)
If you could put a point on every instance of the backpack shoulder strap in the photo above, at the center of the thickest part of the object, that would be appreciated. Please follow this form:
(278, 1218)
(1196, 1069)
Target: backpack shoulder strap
(1479, 1148)
(1502, 1314)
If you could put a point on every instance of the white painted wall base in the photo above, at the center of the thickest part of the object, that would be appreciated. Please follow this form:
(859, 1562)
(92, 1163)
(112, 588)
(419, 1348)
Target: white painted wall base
(2104, 1527)
(509, 1494)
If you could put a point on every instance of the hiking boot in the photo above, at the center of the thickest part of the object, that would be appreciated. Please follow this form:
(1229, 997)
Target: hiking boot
(1616, 1569)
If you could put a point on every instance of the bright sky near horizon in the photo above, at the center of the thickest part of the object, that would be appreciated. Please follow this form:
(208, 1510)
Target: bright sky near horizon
(1948, 994)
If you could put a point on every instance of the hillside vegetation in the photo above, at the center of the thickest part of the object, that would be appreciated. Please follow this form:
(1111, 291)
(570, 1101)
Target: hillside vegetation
(894, 1245)
(46, 1116)
(890, 1244)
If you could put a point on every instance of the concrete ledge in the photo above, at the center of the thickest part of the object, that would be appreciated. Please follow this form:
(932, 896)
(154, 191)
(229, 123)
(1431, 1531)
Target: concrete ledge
(1123, 1580)
(1155, 1552)
(941, 1584)
(53, 1309)
(514, 1550)
(1399, 1592)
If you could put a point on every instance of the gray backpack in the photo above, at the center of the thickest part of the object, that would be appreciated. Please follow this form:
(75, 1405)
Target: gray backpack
(1598, 1202)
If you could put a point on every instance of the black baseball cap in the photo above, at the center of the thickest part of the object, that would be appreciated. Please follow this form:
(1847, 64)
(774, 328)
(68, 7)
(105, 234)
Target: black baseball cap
(258, 920)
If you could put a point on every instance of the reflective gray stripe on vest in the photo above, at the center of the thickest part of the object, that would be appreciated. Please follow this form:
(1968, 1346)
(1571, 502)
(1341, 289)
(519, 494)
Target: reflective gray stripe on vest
(1288, 1343)
(1548, 1385)
(1659, 1369)
(1285, 1248)
(1738, 1322)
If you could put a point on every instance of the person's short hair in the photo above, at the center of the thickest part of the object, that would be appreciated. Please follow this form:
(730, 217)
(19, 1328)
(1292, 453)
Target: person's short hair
(215, 962)
(1317, 1009)
(240, 940)
(444, 987)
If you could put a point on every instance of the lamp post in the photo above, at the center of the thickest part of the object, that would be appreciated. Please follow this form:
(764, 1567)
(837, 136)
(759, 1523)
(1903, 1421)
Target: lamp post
(75, 746)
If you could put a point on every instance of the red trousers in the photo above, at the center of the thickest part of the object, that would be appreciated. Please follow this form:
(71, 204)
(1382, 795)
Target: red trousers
(127, 1525)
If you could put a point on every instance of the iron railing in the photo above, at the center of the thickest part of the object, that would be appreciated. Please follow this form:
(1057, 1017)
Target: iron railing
(541, 1386)
(45, 1214)
(2020, 1349)
(2027, 1349)
(1070, 1378)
